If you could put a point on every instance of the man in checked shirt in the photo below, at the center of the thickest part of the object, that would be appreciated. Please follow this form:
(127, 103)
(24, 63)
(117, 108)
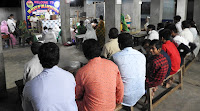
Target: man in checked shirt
(157, 67)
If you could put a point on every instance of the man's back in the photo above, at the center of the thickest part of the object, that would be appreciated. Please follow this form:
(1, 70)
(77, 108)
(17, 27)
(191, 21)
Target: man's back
(174, 55)
(187, 34)
(52, 90)
(132, 66)
(110, 48)
(99, 85)
(32, 69)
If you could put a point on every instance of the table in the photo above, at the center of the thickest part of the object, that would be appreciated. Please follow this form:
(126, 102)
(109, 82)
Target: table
(50, 23)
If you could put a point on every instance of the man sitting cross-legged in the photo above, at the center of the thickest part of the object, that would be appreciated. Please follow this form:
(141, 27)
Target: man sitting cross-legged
(132, 66)
(98, 84)
(54, 88)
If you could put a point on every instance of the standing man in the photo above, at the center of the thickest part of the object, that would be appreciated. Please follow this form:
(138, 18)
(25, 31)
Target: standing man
(132, 66)
(48, 14)
(54, 88)
(99, 85)
(33, 21)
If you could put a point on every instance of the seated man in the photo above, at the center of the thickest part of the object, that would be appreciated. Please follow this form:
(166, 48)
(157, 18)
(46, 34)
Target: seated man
(33, 21)
(158, 65)
(160, 26)
(54, 88)
(33, 67)
(50, 36)
(177, 21)
(186, 33)
(98, 84)
(132, 66)
(112, 46)
(171, 50)
(151, 33)
(81, 28)
(181, 43)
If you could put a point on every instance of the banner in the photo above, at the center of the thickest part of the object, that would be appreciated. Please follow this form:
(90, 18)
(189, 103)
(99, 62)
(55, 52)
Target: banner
(39, 8)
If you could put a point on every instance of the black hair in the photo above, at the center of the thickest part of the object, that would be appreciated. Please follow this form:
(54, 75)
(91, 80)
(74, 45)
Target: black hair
(152, 27)
(81, 23)
(173, 28)
(11, 15)
(185, 24)
(125, 40)
(192, 23)
(146, 41)
(166, 34)
(157, 43)
(45, 28)
(91, 49)
(177, 17)
(101, 17)
(113, 33)
(49, 55)
(35, 47)
(95, 21)
(160, 25)
(33, 14)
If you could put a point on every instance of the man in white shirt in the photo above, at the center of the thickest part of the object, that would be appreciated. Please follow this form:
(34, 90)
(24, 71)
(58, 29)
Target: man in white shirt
(112, 46)
(186, 33)
(33, 21)
(177, 21)
(132, 66)
(152, 33)
(54, 88)
(48, 14)
(11, 25)
(33, 67)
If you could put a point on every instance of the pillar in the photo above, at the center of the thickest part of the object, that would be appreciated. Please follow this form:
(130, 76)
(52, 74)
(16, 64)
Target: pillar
(85, 5)
(65, 20)
(182, 9)
(112, 16)
(196, 13)
(156, 11)
(23, 9)
(3, 91)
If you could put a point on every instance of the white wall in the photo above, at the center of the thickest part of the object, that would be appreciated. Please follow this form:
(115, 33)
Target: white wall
(73, 9)
(6, 11)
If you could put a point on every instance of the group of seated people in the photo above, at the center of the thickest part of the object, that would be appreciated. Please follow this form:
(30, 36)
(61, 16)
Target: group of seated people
(116, 74)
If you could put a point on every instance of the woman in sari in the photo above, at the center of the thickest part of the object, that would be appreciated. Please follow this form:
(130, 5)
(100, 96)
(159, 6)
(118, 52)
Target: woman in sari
(4, 31)
(100, 32)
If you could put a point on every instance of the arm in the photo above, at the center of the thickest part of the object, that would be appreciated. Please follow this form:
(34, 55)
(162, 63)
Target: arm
(79, 86)
(104, 52)
(119, 89)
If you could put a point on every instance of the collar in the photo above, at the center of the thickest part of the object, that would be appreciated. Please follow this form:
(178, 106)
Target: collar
(116, 39)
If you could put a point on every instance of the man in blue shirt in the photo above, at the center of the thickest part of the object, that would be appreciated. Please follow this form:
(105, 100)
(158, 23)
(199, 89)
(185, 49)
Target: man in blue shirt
(54, 88)
(132, 66)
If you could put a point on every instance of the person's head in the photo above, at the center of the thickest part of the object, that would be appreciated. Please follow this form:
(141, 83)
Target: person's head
(95, 21)
(35, 47)
(177, 18)
(165, 35)
(11, 15)
(146, 43)
(192, 24)
(150, 27)
(45, 28)
(185, 24)
(49, 55)
(81, 23)
(48, 10)
(173, 30)
(155, 47)
(101, 17)
(125, 40)
(113, 33)
(91, 49)
(160, 25)
(34, 15)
